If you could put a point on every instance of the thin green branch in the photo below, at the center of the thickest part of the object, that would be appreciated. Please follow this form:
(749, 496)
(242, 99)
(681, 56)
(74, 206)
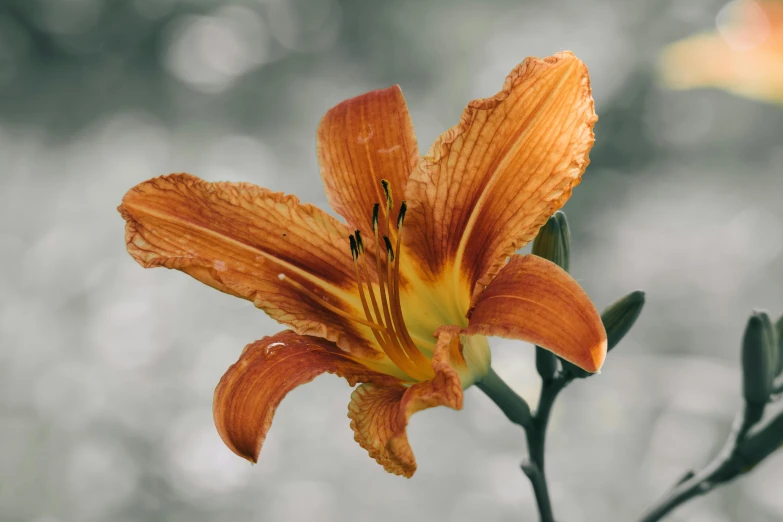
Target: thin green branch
(743, 450)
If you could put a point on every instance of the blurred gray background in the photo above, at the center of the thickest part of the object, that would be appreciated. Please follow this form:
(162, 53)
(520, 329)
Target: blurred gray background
(107, 370)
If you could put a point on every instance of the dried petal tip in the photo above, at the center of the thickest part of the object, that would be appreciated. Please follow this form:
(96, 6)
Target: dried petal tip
(759, 359)
(553, 241)
(620, 316)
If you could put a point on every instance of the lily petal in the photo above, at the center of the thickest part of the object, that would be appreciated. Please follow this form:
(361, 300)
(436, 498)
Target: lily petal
(535, 300)
(360, 142)
(744, 57)
(250, 391)
(379, 413)
(488, 184)
(239, 238)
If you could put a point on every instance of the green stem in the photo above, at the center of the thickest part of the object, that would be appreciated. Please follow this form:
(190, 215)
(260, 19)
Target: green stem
(734, 460)
(536, 436)
(540, 490)
(514, 406)
(518, 412)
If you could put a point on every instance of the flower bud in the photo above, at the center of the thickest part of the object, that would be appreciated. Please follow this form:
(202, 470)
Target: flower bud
(620, 316)
(759, 358)
(553, 241)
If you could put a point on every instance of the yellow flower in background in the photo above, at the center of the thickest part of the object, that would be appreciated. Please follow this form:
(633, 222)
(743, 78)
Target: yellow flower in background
(744, 56)
(401, 298)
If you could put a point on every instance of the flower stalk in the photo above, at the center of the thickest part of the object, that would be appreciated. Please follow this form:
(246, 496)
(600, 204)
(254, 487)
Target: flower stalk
(750, 440)
(553, 243)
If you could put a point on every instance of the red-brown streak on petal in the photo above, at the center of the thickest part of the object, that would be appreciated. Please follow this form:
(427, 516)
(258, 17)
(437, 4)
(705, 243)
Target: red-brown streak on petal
(250, 391)
(360, 142)
(534, 300)
(379, 413)
(238, 238)
(487, 185)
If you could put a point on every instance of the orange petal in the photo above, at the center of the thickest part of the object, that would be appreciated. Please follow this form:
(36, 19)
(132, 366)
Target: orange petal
(360, 142)
(239, 238)
(487, 185)
(379, 413)
(249, 392)
(745, 57)
(535, 300)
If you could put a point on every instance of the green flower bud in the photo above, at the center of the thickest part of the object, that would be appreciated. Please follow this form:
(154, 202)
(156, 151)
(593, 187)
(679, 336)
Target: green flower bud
(619, 317)
(553, 241)
(759, 359)
(546, 363)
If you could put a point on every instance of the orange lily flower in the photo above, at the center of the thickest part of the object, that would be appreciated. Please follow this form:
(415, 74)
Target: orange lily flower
(745, 55)
(401, 299)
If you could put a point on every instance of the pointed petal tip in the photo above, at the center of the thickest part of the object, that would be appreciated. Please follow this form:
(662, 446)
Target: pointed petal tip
(597, 356)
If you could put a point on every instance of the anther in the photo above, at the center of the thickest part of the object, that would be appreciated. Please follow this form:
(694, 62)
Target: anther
(359, 242)
(375, 209)
(389, 250)
(401, 215)
(387, 190)
(354, 248)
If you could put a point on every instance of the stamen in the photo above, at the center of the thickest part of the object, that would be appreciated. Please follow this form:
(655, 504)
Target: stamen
(371, 291)
(379, 336)
(328, 305)
(401, 220)
(399, 321)
(382, 286)
(388, 339)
